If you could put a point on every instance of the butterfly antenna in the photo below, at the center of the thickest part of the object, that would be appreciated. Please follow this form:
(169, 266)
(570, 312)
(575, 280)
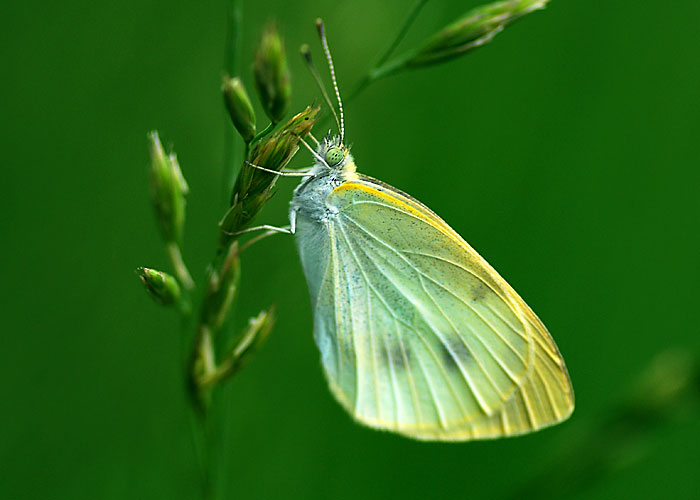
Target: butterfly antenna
(306, 53)
(314, 139)
(322, 33)
(313, 152)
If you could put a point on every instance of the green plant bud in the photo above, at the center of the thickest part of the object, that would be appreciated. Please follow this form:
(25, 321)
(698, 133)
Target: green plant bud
(253, 186)
(474, 29)
(254, 336)
(276, 152)
(159, 285)
(168, 190)
(272, 78)
(239, 107)
(206, 374)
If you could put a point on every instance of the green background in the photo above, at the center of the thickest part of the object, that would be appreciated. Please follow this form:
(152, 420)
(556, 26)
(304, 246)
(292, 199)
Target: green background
(566, 152)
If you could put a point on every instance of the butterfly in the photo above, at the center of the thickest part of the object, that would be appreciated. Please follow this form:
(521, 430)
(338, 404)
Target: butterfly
(418, 334)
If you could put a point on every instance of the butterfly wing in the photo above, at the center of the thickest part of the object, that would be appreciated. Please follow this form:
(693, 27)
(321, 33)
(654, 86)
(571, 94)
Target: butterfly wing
(418, 334)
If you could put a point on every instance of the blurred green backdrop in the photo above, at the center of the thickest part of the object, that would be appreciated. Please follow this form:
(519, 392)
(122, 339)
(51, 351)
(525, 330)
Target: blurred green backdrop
(566, 152)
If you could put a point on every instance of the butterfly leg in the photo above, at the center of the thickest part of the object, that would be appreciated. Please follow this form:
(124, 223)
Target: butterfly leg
(269, 231)
(284, 173)
(259, 237)
(272, 229)
(304, 171)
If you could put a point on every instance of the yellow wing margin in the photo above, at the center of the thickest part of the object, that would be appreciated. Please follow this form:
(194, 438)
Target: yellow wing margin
(543, 395)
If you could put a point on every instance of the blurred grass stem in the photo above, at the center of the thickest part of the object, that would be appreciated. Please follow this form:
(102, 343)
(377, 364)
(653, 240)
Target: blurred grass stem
(181, 271)
(232, 49)
(371, 74)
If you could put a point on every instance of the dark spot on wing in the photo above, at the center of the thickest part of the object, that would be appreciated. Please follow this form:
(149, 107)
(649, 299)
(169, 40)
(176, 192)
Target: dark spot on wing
(403, 356)
(455, 354)
(399, 357)
(479, 291)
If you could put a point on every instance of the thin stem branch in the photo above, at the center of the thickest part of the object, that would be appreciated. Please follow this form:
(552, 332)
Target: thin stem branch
(373, 75)
(231, 67)
(264, 132)
(181, 271)
(381, 69)
(232, 158)
(412, 15)
(206, 350)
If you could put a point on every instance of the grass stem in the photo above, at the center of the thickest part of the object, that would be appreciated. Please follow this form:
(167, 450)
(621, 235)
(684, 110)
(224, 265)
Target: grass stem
(181, 271)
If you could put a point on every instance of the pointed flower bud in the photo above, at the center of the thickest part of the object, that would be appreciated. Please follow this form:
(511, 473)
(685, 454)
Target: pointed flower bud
(280, 148)
(253, 337)
(245, 346)
(253, 186)
(168, 190)
(239, 107)
(272, 74)
(476, 28)
(159, 285)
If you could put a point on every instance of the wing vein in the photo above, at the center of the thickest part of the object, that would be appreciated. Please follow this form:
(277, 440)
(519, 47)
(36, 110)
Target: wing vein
(462, 370)
(550, 398)
(552, 373)
(334, 249)
(552, 355)
(448, 261)
(409, 375)
(390, 361)
(378, 295)
(396, 209)
(481, 341)
(373, 353)
(528, 409)
(484, 320)
(336, 289)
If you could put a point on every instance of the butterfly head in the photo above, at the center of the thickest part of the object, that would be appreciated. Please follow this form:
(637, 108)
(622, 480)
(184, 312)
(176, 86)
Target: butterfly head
(335, 154)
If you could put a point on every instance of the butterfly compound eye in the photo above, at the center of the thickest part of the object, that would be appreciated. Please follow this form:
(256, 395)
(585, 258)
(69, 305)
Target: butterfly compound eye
(334, 156)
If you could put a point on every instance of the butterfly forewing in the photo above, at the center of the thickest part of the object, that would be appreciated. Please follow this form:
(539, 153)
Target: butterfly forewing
(418, 334)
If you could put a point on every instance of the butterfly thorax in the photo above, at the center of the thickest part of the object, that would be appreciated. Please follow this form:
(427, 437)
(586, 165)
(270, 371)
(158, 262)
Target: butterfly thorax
(334, 166)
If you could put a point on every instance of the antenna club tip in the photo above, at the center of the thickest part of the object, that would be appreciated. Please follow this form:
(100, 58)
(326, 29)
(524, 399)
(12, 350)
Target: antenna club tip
(305, 51)
(319, 24)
